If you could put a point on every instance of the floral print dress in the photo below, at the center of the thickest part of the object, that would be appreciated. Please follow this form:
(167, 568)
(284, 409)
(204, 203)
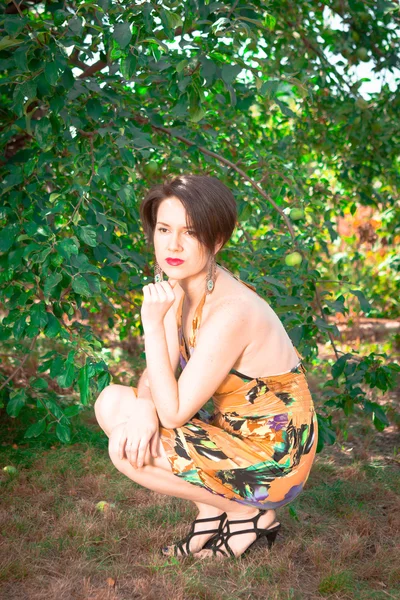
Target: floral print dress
(258, 446)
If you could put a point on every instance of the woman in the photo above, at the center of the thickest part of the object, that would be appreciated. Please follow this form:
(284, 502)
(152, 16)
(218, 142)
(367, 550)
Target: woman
(254, 454)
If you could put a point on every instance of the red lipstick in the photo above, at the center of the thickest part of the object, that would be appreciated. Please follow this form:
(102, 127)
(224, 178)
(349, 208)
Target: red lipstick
(174, 262)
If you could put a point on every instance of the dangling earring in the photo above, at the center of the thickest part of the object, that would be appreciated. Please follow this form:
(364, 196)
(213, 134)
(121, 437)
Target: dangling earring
(212, 268)
(158, 273)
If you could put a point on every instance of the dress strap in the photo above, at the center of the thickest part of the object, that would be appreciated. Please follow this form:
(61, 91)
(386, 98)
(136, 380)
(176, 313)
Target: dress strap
(196, 322)
(300, 364)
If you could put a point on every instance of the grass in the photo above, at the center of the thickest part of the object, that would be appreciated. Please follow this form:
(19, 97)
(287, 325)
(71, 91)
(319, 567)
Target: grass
(339, 538)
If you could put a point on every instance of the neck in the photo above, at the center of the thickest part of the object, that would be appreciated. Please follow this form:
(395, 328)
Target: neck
(195, 287)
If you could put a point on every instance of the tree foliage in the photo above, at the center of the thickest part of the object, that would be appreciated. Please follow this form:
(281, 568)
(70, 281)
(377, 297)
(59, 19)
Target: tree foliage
(102, 99)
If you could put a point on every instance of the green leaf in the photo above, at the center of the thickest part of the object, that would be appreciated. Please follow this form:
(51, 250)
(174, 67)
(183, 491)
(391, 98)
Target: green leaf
(36, 429)
(103, 380)
(59, 17)
(51, 282)
(81, 286)
(285, 109)
(43, 133)
(7, 236)
(111, 272)
(338, 367)
(66, 379)
(56, 366)
(377, 412)
(39, 384)
(8, 42)
(72, 411)
(14, 24)
(68, 247)
(53, 327)
(364, 304)
(51, 72)
(21, 59)
(83, 382)
(38, 315)
(128, 66)
(122, 34)
(230, 72)
(19, 327)
(63, 432)
(16, 402)
(88, 235)
(94, 108)
(76, 26)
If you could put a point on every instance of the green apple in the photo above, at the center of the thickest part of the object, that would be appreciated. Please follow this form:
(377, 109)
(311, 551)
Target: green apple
(151, 167)
(296, 214)
(293, 259)
(102, 506)
(362, 54)
(10, 470)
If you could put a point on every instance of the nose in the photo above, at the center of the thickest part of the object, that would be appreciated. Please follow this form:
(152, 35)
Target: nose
(174, 244)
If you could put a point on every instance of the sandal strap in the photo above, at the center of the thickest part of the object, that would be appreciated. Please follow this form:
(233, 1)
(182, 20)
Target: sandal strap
(252, 520)
(186, 540)
(222, 516)
(221, 519)
(223, 536)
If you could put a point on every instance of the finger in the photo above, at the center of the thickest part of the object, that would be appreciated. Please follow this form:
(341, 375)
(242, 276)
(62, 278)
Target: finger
(160, 293)
(154, 445)
(168, 290)
(146, 293)
(133, 455)
(121, 445)
(141, 453)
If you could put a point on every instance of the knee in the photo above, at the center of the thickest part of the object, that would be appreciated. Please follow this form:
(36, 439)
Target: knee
(105, 401)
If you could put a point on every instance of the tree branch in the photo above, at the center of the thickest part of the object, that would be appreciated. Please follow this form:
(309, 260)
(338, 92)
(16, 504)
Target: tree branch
(88, 70)
(230, 164)
(25, 358)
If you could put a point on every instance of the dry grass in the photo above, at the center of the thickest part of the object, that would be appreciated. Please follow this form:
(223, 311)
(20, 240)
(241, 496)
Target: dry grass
(340, 538)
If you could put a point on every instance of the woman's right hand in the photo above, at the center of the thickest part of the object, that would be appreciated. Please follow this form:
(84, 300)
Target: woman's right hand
(140, 432)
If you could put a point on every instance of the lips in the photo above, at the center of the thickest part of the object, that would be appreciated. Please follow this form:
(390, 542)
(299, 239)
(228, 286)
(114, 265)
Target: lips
(174, 262)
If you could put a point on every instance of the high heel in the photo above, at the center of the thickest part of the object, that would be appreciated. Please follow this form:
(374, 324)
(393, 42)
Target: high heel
(166, 551)
(220, 542)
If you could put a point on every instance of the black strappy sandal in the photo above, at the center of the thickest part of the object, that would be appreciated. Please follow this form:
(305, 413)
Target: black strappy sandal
(180, 545)
(220, 541)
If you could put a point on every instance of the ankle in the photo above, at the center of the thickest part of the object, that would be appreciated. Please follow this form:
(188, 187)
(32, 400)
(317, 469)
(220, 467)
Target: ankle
(205, 513)
(245, 513)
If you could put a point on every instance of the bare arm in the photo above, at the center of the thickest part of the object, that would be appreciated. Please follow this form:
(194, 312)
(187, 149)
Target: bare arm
(143, 388)
(171, 333)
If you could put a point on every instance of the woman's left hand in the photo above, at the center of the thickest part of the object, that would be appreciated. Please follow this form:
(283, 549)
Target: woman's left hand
(157, 300)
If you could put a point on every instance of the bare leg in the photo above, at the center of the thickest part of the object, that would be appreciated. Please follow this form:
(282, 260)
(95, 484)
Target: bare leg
(157, 475)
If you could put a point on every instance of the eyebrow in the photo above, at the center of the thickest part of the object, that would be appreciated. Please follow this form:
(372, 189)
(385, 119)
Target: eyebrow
(161, 223)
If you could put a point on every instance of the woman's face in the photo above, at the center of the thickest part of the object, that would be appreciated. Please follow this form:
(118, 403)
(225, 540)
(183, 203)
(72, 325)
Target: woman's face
(173, 239)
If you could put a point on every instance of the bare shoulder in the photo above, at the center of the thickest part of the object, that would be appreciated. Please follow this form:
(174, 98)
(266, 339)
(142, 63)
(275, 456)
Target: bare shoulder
(232, 299)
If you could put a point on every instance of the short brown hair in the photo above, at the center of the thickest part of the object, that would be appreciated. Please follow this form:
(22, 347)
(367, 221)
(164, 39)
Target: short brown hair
(210, 207)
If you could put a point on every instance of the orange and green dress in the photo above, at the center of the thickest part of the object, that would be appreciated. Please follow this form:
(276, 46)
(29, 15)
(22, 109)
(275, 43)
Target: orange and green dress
(258, 446)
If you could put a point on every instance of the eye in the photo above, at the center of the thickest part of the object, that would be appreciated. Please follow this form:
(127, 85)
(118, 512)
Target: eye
(162, 229)
(191, 232)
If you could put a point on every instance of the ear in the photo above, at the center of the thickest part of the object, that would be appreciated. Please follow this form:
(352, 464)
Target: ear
(218, 246)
